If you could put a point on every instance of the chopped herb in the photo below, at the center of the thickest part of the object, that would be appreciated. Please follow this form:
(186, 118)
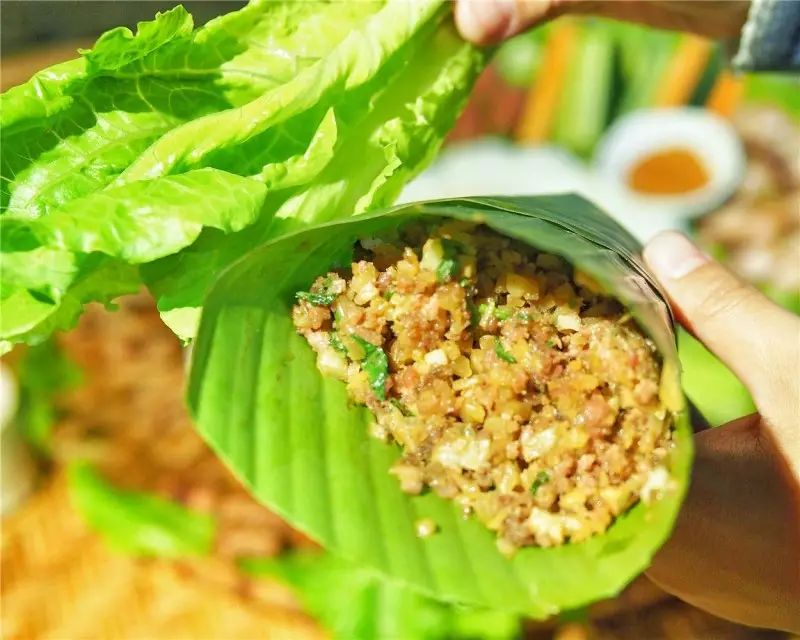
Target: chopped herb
(322, 298)
(337, 344)
(501, 352)
(388, 294)
(317, 299)
(484, 308)
(502, 314)
(474, 314)
(448, 267)
(375, 365)
(550, 343)
(337, 315)
(541, 478)
(465, 282)
(524, 316)
(401, 408)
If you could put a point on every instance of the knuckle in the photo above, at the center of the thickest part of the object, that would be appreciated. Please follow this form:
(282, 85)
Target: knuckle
(722, 299)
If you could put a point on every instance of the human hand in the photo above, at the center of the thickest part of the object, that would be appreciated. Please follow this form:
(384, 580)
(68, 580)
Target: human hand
(735, 550)
(490, 21)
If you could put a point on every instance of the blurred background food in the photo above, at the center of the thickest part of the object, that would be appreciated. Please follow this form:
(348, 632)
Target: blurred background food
(120, 522)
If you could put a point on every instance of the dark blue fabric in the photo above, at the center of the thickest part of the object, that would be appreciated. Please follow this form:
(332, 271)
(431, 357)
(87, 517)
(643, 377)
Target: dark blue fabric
(771, 37)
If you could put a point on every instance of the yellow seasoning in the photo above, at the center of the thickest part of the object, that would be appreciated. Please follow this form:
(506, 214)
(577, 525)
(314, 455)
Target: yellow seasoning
(670, 171)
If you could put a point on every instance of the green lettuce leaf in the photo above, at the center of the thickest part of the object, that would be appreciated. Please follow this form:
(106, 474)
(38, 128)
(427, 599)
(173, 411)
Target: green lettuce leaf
(146, 220)
(139, 523)
(44, 372)
(386, 133)
(178, 149)
(31, 317)
(293, 437)
(355, 604)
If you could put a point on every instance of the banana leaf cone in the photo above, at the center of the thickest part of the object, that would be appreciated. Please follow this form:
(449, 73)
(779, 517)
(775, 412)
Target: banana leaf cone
(293, 437)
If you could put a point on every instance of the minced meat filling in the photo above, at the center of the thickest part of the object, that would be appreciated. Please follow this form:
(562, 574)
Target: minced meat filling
(511, 383)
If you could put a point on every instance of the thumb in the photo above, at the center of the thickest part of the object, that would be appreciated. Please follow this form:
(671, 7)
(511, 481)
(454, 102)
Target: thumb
(757, 339)
(490, 21)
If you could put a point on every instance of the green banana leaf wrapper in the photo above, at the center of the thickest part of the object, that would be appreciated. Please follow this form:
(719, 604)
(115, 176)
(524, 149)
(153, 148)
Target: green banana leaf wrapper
(295, 440)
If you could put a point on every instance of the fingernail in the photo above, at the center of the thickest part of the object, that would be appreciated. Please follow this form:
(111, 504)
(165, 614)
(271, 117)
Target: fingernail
(672, 255)
(487, 20)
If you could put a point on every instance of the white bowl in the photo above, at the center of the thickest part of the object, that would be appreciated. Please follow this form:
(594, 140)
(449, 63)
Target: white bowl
(496, 167)
(491, 167)
(710, 138)
(17, 466)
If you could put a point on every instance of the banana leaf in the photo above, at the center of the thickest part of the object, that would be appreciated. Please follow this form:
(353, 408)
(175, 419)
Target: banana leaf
(353, 603)
(303, 449)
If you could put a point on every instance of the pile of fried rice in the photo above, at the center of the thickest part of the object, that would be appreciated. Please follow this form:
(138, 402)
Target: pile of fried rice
(512, 384)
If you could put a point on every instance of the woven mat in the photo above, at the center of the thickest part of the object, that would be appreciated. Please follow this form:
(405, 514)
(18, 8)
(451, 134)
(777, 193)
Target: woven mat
(59, 580)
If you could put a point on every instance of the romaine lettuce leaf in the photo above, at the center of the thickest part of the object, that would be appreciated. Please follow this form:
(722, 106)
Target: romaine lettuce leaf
(177, 149)
(142, 221)
(138, 523)
(30, 316)
(385, 136)
(45, 371)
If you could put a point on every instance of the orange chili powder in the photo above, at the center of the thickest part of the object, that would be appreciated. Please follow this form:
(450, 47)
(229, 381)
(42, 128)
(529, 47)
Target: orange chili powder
(668, 172)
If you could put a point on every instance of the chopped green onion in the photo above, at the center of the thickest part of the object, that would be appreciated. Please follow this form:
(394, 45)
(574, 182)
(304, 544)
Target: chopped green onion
(484, 308)
(375, 365)
(322, 298)
(448, 267)
(401, 407)
(317, 299)
(541, 478)
(474, 314)
(337, 344)
(501, 352)
(502, 314)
